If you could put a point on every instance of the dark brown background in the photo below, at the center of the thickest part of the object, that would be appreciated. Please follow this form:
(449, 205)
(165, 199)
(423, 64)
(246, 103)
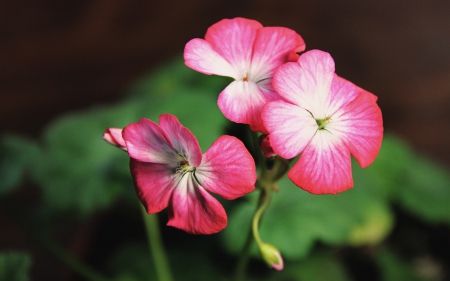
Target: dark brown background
(58, 56)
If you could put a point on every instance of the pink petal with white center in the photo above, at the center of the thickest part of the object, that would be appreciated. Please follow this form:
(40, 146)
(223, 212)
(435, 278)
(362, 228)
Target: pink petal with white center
(324, 167)
(114, 137)
(295, 85)
(146, 142)
(154, 184)
(200, 56)
(182, 140)
(359, 123)
(233, 39)
(307, 82)
(227, 169)
(273, 47)
(321, 65)
(242, 102)
(342, 92)
(291, 127)
(194, 210)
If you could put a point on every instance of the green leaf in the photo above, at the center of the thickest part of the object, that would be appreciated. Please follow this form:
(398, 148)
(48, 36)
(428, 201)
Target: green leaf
(79, 172)
(14, 266)
(387, 173)
(394, 268)
(319, 266)
(426, 191)
(17, 155)
(297, 219)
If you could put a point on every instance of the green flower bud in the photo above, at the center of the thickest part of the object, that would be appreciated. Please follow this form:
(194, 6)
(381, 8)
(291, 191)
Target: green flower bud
(271, 256)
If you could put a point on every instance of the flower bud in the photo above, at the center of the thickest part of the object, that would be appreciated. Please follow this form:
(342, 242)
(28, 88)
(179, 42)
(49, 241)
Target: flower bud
(271, 256)
(264, 141)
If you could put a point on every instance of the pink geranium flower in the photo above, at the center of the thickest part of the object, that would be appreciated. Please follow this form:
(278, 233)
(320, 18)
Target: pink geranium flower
(169, 170)
(325, 118)
(249, 53)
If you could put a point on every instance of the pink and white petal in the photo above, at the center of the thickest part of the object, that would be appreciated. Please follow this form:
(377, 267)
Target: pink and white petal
(114, 137)
(194, 210)
(242, 102)
(233, 39)
(321, 65)
(182, 140)
(296, 85)
(227, 169)
(324, 166)
(273, 47)
(360, 125)
(146, 142)
(342, 92)
(200, 56)
(154, 184)
(291, 127)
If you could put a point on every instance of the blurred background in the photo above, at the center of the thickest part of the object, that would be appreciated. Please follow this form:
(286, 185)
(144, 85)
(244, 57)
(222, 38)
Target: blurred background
(63, 56)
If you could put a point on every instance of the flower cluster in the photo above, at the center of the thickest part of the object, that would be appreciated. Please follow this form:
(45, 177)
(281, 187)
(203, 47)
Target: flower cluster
(299, 102)
(295, 101)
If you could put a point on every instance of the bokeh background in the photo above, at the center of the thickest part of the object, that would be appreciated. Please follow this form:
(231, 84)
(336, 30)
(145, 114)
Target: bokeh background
(61, 56)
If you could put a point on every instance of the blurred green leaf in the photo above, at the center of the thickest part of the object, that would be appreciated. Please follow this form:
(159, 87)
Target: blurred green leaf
(79, 172)
(133, 262)
(17, 155)
(319, 266)
(296, 219)
(14, 266)
(393, 268)
(387, 173)
(427, 191)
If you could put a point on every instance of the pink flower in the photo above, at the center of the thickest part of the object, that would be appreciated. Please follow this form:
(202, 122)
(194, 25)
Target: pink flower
(169, 170)
(325, 118)
(248, 52)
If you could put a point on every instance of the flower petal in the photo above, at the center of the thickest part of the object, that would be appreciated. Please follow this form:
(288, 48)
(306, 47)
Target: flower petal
(273, 47)
(321, 65)
(182, 140)
(114, 137)
(200, 56)
(307, 83)
(233, 39)
(154, 184)
(195, 211)
(324, 166)
(227, 169)
(242, 102)
(358, 122)
(291, 127)
(146, 142)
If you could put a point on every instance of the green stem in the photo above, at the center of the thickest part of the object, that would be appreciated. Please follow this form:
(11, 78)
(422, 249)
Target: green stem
(265, 198)
(156, 247)
(239, 274)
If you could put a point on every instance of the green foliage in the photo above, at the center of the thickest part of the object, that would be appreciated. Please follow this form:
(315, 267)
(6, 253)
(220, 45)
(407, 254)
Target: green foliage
(393, 268)
(427, 193)
(320, 266)
(360, 216)
(14, 266)
(79, 172)
(17, 155)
